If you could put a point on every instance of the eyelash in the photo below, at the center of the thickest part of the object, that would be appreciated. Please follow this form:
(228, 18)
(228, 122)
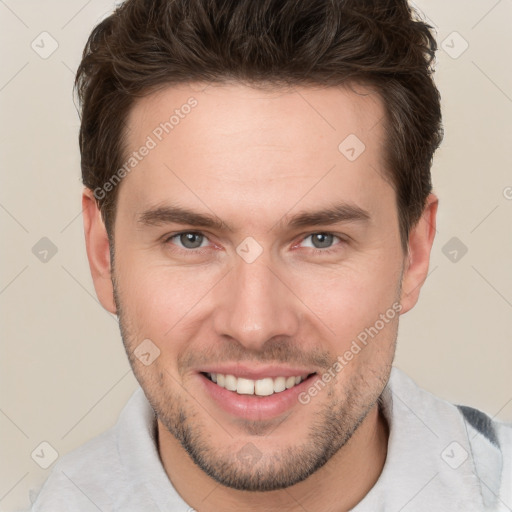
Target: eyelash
(328, 250)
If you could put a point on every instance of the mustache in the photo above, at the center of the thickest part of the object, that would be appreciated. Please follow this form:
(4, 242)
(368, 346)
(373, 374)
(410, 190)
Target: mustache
(273, 351)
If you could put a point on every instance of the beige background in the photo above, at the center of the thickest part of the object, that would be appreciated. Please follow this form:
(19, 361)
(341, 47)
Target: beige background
(64, 374)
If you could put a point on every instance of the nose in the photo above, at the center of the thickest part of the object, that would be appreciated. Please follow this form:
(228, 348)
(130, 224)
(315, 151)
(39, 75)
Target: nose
(256, 305)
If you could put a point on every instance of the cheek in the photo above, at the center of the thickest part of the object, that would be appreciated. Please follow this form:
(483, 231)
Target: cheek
(164, 303)
(351, 298)
(158, 300)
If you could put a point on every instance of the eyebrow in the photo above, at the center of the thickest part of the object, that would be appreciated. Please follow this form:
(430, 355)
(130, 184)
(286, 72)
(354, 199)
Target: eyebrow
(178, 215)
(342, 212)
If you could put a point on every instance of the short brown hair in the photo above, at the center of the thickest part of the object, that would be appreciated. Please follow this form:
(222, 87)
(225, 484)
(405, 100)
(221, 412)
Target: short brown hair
(145, 45)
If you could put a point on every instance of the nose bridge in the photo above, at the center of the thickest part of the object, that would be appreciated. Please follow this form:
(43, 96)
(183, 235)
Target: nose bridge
(256, 305)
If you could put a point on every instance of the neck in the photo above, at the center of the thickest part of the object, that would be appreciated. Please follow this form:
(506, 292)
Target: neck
(338, 486)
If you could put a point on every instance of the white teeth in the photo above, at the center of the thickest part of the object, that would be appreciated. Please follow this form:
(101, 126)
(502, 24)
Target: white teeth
(264, 387)
(261, 387)
(245, 386)
(279, 384)
(230, 382)
(290, 382)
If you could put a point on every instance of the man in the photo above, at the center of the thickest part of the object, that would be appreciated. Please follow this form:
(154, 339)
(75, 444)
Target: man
(259, 212)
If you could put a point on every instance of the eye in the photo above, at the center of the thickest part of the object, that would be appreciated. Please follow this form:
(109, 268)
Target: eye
(188, 240)
(191, 241)
(322, 241)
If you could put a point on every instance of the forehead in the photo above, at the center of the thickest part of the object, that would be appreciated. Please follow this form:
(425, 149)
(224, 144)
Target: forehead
(273, 147)
(286, 116)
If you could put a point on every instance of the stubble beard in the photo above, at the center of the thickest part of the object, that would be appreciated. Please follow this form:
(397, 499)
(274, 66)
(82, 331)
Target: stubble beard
(249, 468)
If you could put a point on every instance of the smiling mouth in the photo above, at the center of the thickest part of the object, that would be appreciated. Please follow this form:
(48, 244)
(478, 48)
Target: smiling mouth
(261, 387)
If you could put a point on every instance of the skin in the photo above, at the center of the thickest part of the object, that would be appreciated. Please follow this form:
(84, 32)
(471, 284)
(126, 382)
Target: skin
(253, 158)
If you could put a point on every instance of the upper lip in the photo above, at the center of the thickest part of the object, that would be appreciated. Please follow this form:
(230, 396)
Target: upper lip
(257, 372)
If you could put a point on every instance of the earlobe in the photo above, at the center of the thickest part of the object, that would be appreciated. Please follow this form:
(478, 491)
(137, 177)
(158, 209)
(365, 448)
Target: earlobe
(421, 239)
(98, 250)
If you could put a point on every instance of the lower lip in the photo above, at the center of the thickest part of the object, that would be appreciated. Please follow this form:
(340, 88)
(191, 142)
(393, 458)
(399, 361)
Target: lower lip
(254, 407)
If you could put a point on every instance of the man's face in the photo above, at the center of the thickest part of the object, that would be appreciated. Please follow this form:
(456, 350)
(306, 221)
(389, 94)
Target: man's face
(266, 298)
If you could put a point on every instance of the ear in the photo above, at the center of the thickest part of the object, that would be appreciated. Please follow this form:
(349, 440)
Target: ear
(98, 251)
(421, 238)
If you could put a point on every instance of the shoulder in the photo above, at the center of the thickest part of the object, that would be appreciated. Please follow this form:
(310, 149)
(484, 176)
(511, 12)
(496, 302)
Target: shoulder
(83, 479)
(491, 449)
(473, 450)
(98, 474)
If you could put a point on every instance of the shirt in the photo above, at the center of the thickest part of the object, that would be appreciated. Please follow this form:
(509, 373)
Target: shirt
(441, 457)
